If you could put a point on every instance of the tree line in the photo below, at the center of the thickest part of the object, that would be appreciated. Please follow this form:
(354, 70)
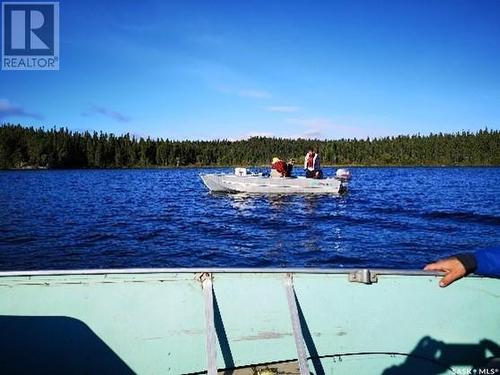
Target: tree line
(28, 147)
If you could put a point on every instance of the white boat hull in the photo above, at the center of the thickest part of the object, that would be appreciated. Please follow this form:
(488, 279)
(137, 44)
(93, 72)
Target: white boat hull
(272, 185)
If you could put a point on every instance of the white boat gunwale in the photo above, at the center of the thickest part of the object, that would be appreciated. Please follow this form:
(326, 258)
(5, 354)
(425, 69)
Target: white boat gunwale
(117, 271)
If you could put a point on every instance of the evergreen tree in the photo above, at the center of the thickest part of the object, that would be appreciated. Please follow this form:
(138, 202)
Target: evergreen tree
(22, 147)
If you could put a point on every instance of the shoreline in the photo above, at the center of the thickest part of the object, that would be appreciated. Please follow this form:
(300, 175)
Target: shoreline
(32, 168)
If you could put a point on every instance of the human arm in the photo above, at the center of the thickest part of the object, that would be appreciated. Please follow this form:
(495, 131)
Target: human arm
(484, 262)
(452, 267)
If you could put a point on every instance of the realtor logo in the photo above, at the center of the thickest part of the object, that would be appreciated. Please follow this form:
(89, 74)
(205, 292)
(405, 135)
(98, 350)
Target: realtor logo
(30, 36)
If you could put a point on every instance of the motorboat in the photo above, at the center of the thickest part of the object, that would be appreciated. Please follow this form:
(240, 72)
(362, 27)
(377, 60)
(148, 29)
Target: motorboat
(243, 181)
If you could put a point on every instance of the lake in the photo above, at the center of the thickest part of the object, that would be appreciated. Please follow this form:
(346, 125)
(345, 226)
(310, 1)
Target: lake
(390, 218)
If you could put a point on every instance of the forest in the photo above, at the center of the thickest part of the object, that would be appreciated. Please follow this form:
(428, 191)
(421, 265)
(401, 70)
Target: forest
(28, 147)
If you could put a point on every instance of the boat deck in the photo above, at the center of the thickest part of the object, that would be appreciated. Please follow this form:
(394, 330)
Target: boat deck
(190, 321)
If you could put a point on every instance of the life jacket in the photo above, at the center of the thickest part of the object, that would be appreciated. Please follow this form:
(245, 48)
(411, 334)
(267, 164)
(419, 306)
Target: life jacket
(280, 166)
(310, 160)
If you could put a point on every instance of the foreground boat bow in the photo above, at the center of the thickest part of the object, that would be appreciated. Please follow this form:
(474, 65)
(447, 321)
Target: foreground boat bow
(176, 321)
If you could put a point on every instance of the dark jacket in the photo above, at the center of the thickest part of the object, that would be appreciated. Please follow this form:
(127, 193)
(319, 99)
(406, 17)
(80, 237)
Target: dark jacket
(485, 262)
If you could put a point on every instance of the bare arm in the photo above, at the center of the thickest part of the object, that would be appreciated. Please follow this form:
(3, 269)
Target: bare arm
(452, 267)
(484, 262)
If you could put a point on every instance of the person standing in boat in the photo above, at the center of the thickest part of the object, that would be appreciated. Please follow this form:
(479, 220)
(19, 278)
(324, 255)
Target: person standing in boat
(289, 167)
(312, 165)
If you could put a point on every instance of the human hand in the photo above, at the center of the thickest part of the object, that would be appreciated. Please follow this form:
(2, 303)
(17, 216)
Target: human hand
(452, 267)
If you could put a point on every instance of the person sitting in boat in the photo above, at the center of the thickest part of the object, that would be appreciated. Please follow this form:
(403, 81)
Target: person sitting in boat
(312, 165)
(289, 167)
(278, 168)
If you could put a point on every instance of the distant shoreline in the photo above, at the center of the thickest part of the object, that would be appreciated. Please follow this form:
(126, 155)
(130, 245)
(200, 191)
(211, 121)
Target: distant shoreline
(33, 168)
(29, 148)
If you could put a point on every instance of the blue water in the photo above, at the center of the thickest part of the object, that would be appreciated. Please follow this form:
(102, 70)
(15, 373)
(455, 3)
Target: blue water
(391, 217)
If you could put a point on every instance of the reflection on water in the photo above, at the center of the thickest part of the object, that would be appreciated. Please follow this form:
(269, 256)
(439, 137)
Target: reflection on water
(241, 201)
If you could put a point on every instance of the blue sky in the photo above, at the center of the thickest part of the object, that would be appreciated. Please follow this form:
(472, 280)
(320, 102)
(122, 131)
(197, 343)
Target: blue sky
(233, 69)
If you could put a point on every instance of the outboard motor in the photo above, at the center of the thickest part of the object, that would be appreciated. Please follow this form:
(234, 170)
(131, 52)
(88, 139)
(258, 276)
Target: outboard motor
(240, 171)
(343, 174)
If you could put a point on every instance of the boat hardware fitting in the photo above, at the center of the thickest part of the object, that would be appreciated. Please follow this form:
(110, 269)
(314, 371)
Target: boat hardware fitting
(364, 276)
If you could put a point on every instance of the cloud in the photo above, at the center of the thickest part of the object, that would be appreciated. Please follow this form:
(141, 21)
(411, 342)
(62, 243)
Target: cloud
(9, 109)
(115, 115)
(317, 122)
(244, 93)
(283, 109)
(256, 94)
(324, 127)
(315, 127)
(312, 134)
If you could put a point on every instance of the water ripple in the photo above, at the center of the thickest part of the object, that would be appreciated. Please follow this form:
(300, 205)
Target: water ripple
(391, 217)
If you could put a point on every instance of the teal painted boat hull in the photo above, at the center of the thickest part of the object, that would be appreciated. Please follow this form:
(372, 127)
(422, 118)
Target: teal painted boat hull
(153, 322)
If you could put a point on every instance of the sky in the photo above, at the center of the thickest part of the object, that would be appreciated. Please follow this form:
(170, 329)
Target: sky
(235, 69)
